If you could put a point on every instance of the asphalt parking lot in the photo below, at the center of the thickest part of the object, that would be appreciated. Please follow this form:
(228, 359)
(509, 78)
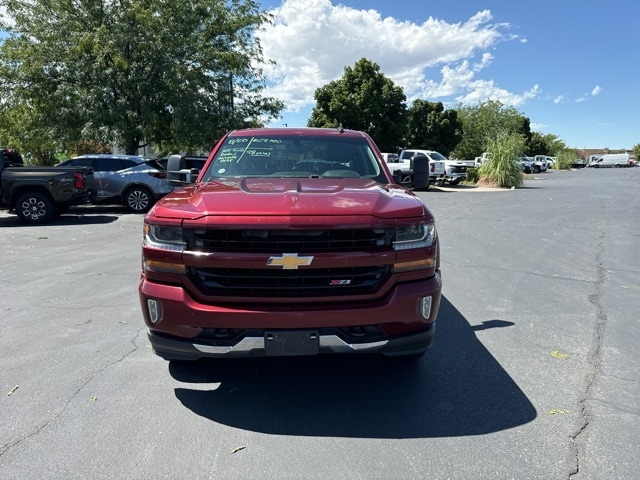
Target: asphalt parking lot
(533, 372)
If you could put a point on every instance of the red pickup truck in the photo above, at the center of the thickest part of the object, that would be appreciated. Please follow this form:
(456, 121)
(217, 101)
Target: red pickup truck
(291, 241)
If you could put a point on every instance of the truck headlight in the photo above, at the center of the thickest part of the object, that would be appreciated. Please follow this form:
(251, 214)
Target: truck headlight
(415, 236)
(164, 237)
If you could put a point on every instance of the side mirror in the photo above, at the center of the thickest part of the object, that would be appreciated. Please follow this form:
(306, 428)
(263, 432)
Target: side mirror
(177, 174)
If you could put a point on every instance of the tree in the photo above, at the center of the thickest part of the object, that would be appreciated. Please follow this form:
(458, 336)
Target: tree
(548, 144)
(636, 151)
(484, 123)
(431, 127)
(537, 145)
(363, 99)
(177, 74)
(21, 128)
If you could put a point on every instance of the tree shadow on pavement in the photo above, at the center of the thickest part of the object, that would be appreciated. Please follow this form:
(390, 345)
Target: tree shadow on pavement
(456, 389)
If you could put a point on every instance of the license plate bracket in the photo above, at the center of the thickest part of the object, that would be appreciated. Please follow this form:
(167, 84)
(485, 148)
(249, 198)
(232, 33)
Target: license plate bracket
(291, 342)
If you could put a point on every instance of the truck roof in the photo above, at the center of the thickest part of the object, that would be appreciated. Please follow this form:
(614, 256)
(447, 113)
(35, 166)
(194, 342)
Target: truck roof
(293, 131)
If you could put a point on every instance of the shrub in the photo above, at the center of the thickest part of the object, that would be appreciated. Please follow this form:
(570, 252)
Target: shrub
(472, 175)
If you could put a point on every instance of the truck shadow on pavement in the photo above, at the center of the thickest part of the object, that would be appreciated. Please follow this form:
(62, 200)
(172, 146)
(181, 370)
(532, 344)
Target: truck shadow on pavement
(456, 389)
(84, 215)
(62, 220)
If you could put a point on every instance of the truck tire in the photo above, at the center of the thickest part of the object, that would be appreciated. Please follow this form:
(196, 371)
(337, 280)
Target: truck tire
(34, 208)
(536, 169)
(138, 199)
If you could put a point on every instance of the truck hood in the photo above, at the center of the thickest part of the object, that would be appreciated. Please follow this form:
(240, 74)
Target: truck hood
(289, 197)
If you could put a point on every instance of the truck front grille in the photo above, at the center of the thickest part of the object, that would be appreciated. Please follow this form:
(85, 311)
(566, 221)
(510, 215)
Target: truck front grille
(270, 241)
(288, 283)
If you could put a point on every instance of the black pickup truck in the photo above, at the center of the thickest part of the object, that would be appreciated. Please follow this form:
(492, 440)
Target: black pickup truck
(38, 193)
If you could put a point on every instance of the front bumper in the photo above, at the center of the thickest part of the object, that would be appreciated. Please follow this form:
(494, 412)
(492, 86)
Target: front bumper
(455, 177)
(186, 329)
(255, 344)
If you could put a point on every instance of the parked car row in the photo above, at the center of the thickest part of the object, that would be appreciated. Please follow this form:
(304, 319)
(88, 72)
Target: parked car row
(129, 180)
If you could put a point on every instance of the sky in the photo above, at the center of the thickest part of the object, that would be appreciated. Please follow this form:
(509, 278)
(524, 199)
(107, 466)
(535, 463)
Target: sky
(571, 67)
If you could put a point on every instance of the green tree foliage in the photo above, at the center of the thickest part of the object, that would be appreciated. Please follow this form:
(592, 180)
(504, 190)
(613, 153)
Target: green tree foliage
(537, 145)
(504, 169)
(485, 122)
(540, 144)
(431, 127)
(363, 99)
(25, 129)
(524, 128)
(636, 151)
(135, 71)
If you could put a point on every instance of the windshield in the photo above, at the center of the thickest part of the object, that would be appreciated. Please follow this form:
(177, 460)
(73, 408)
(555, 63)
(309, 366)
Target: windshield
(438, 156)
(295, 156)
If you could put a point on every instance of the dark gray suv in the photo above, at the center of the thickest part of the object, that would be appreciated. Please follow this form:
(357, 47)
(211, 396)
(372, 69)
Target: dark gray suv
(129, 180)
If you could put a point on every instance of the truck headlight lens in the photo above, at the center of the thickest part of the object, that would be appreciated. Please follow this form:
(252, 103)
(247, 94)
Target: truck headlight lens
(415, 236)
(164, 237)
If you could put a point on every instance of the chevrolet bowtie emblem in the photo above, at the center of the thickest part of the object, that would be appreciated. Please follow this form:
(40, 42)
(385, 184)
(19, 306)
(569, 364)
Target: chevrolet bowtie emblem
(289, 261)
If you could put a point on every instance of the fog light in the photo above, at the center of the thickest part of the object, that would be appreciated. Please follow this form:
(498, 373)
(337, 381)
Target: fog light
(155, 310)
(425, 307)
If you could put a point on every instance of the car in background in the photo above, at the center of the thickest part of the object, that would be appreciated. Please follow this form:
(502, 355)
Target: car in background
(190, 162)
(129, 180)
(391, 157)
(539, 165)
(545, 159)
(527, 164)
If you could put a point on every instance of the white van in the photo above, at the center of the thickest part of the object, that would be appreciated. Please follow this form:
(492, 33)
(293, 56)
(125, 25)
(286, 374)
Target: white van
(612, 160)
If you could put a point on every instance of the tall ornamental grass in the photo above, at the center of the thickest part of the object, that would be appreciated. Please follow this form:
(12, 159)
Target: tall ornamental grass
(504, 168)
(564, 159)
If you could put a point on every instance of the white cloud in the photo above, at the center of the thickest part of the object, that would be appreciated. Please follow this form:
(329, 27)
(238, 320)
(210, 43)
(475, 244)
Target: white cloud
(482, 90)
(559, 99)
(596, 90)
(312, 41)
